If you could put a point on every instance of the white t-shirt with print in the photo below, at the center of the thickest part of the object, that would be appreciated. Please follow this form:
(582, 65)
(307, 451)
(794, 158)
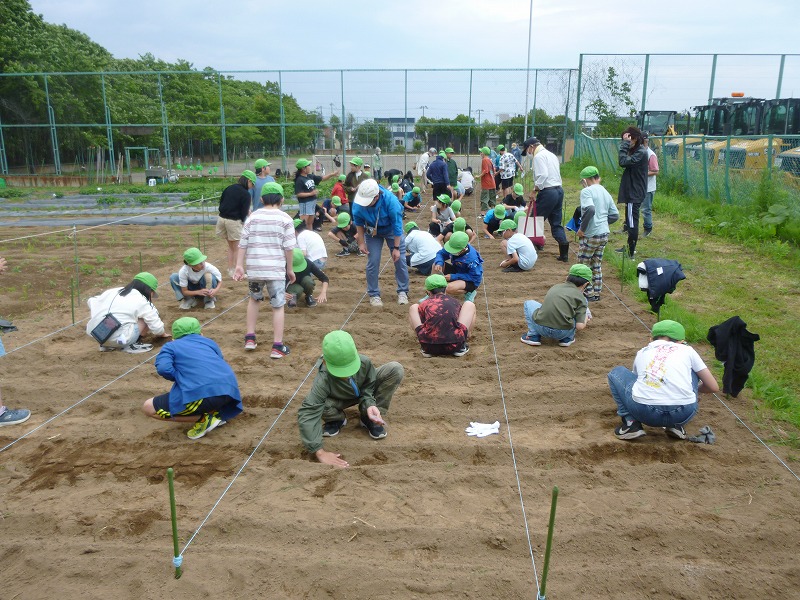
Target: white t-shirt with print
(664, 373)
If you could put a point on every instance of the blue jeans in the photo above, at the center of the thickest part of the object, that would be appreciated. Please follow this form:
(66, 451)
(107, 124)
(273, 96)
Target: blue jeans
(422, 268)
(200, 285)
(621, 380)
(647, 211)
(374, 247)
(534, 328)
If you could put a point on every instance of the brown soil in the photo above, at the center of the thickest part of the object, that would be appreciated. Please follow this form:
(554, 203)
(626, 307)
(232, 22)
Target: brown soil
(425, 513)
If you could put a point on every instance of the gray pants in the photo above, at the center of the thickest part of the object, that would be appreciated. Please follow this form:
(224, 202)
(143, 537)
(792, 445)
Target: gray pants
(388, 379)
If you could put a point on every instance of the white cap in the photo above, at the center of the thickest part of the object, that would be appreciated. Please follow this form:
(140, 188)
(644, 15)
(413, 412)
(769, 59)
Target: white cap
(366, 192)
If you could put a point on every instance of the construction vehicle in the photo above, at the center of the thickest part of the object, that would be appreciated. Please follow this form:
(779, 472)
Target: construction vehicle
(789, 161)
(657, 122)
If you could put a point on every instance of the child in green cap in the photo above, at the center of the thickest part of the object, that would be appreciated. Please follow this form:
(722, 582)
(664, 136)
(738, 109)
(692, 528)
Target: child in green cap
(204, 384)
(411, 200)
(662, 389)
(460, 224)
(492, 219)
(191, 280)
(345, 235)
(515, 199)
(598, 211)
(441, 214)
(339, 192)
(563, 312)
(464, 272)
(345, 378)
(442, 324)
(304, 272)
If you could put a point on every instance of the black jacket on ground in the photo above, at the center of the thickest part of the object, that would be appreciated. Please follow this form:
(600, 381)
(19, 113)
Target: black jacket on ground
(734, 346)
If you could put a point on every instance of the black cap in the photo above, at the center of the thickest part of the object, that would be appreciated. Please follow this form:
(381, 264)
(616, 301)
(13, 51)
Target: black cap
(530, 142)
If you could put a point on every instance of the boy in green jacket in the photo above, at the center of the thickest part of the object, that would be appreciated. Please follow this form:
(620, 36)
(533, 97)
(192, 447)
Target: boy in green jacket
(345, 378)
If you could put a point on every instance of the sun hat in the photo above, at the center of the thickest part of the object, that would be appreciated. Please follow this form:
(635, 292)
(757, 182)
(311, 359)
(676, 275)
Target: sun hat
(444, 199)
(507, 224)
(395, 178)
(395, 187)
(342, 220)
(185, 326)
(261, 163)
(443, 154)
(435, 282)
(297, 223)
(415, 190)
(342, 177)
(250, 175)
(340, 354)
(499, 212)
(460, 224)
(518, 215)
(590, 171)
(486, 151)
(298, 261)
(500, 147)
(366, 192)
(457, 242)
(671, 329)
(336, 201)
(302, 163)
(409, 226)
(456, 205)
(149, 280)
(272, 187)
(193, 256)
(518, 189)
(582, 271)
(449, 150)
(357, 161)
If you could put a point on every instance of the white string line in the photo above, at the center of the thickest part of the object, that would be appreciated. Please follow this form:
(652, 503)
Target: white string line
(508, 423)
(275, 421)
(128, 372)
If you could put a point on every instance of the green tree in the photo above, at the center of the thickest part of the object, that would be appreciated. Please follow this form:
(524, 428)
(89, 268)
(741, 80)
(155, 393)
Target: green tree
(612, 106)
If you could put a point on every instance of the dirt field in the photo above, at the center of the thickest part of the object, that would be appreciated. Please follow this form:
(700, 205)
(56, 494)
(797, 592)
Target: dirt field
(425, 513)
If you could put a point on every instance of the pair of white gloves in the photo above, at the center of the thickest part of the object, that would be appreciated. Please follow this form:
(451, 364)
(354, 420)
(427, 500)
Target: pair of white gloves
(483, 429)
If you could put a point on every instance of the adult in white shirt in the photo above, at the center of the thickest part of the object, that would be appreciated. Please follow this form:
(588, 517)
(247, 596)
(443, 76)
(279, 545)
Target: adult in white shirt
(466, 179)
(521, 255)
(548, 191)
(422, 167)
(311, 243)
(421, 247)
(662, 389)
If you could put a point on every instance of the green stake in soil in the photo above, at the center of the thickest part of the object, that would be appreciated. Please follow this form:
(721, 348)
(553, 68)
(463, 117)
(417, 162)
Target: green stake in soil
(140, 262)
(549, 543)
(177, 559)
(72, 297)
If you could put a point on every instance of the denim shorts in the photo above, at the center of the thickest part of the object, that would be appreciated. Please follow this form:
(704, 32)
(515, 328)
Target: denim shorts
(307, 207)
(276, 291)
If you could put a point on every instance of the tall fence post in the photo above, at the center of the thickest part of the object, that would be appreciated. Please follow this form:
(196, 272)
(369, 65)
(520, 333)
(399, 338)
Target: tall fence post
(224, 129)
(109, 133)
(344, 125)
(283, 121)
(3, 159)
(644, 84)
(728, 170)
(705, 167)
(578, 103)
(566, 123)
(469, 119)
(164, 124)
(533, 111)
(51, 116)
(405, 121)
(780, 76)
(711, 85)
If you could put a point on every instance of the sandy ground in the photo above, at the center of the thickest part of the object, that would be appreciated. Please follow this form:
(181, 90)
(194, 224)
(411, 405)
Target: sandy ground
(425, 513)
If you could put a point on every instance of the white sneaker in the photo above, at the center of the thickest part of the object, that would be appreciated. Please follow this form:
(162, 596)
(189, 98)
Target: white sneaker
(402, 298)
(210, 304)
(137, 348)
(187, 303)
(376, 301)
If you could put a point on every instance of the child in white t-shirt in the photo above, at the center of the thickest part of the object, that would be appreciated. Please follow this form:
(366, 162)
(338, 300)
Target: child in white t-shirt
(311, 243)
(191, 283)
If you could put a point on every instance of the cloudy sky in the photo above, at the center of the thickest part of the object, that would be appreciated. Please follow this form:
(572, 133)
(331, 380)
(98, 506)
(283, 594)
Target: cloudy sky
(454, 34)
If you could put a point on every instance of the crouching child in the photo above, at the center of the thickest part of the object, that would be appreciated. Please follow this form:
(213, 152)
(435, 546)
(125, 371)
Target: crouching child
(441, 322)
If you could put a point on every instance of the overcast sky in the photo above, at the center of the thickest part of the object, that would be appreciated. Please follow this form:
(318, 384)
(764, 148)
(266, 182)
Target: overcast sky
(454, 34)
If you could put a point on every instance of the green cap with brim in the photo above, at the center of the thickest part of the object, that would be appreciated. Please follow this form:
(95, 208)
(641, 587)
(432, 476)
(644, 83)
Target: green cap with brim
(342, 220)
(518, 189)
(342, 177)
(409, 226)
(261, 163)
(449, 150)
(297, 223)
(582, 271)
(671, 329)
(444, 199)
(185, 326)
(415, 190)
(443, 154)
(340, 354)
(500, 147)
(435, 282)
(193, 256)
(395, 178)
(298, 260)
(507, 224)
(457, 242)
(149, 280)
(486, 151)
(250, 175)
(336, 201)
(460, 224)
(272, 187)
(520, 214)
(590, 171)
(456, 205)
(357, 161)
(395, 187)
(302, 163)
(499, 212)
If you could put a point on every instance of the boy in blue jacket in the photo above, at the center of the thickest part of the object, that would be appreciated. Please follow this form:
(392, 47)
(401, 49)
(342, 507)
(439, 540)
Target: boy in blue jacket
(204, 384)
(464, 273)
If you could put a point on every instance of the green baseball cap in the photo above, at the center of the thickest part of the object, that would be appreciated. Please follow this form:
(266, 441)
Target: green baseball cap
(342, 177)
(449, 150)
(272, 187)
(298, 260)
(460, 224)
(456, 205)
(518, 189)
(486, 151)
(357, 161)
(149, 280)
(395, 187)
(250, 175)
(519, 215)
(435, 282)
(193, 256)
(409, 226)
(342, 220)
(297, 223)
(500, 147)
(507, 224)
(302, 163)
(261, 163)
(443, 154)
(457, 242)
(395, 178)
(444, 199)
(671, 329)
(590, 171)
(582, 271)
(340, 354)
(185, 326)
(336, 201)
(415, 190)
(499, 212)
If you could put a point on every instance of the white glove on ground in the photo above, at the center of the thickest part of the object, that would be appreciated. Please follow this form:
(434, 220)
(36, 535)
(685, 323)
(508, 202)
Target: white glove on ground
(483, 429)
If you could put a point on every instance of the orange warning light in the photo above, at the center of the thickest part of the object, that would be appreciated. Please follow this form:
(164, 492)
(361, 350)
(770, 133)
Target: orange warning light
(737, 94)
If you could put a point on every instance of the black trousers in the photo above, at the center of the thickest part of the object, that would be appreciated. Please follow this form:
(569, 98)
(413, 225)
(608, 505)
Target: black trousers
(550, 205)
(632, 221)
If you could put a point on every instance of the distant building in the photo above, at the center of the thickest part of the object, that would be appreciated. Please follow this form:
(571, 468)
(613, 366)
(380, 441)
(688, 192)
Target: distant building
(402, 130)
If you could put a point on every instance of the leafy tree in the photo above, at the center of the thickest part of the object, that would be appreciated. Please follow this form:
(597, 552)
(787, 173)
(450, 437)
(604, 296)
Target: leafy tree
(612, 106)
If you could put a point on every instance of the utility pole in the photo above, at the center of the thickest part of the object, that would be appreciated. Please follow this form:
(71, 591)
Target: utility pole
(423, 107)
(479, 111)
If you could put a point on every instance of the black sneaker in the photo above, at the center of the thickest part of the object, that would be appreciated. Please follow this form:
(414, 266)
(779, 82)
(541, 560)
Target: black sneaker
(629, 432)
(461, 351)
(647, 232)
(310, 301)
(675, 431)
(332, 428)
(343, 252)
(513, 269)
(376, 432)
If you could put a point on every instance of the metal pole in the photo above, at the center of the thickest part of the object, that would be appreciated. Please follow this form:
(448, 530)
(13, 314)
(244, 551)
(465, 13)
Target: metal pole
(705, 166)
(3, 160)
(578, 103)
(344, 125)
(283, 122)
(109, 134)
(51, 116)
(72, 297)
(566, 121)
(727, 170)
(469, 119)
(711, 85)
(644, 84)
(533, 113)
(405, 123)
(780, 76)
(549, 546)
(528, 72)
(770, 155)
(224, 129)
(77, 270)
(685, 165)
(164, 124)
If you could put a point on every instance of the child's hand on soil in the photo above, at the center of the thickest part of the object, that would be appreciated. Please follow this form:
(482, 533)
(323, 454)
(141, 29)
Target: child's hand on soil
(330, 458)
